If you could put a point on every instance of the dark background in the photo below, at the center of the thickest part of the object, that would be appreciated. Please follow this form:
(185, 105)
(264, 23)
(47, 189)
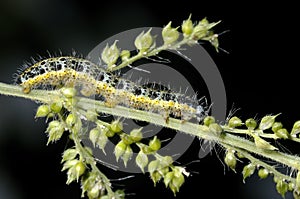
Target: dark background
(260, 75)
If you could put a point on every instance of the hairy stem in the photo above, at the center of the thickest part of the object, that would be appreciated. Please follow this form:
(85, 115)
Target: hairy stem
(186, 127)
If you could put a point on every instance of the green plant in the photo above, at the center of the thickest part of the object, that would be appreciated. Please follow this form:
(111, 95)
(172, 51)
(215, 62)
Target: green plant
(67, 111)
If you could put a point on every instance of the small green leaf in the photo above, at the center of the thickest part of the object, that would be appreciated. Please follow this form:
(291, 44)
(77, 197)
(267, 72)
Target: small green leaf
(267, 122)
(262, 144)
(141, 160)
(248, 171)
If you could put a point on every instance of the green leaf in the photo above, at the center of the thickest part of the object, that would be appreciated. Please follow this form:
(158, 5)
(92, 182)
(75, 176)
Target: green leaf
(262, 144)
(267, 122)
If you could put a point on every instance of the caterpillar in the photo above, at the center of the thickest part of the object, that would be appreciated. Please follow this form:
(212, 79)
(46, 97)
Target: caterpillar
(72, 71)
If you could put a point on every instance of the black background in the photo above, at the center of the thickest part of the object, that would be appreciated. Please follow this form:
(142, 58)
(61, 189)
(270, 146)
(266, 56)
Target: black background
(260, 75)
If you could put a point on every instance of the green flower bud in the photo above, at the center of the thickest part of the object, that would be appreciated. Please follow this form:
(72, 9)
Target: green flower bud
(282, 187)
(116, 126)
(166, 161)
(276, 126)
(187, 26)
(168, 178)
(119, 194)
(248, 171)
(267, 122)
(94, 135)
(291, 186)
(141, 160)
(215, 128)
(136, 135)
(68, 92)
(127, 139)
(125, 55)
(127, 155)
(42, 111)
(110, 54)
(94, 192)
(69, 154)
(109, 133)
(235, 122)
(155, 177)
(262, 144)
(177, 181)
(155, 144)
(282, 133)
(71, 120)
(263, 173)
(91, 115)
(98, 137)
(53, 124)
(208, 120)
(79, 169)
(144, 41)
(164, 170)
(120, 149)
(152, 166)
(230, 159)
(56, 107)
(296, 129)
(55, 130)
(169, 34)
(251, 124)
(68, 164)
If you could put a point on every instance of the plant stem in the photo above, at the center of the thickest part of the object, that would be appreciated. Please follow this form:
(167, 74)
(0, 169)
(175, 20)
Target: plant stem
(200, 131)
(153, 52)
